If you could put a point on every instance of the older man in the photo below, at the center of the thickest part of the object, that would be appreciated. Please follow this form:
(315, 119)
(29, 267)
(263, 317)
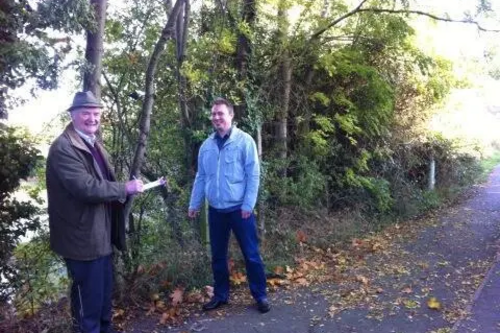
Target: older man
(228, 177)
(85, 205)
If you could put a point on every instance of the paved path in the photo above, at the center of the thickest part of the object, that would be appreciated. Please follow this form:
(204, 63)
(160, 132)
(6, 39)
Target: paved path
(453, 259)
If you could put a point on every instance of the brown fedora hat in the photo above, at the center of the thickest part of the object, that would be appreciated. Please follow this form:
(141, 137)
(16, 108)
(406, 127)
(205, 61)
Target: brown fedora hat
(84, 99)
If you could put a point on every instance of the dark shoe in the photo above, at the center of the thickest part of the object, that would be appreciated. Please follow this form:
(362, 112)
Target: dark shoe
(213, 304)
(263, 306)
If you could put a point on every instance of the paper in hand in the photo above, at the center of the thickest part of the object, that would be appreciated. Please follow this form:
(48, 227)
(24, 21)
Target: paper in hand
(161, 181)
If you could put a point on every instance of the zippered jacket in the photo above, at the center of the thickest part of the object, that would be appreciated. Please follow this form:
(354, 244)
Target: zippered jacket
(227, 177)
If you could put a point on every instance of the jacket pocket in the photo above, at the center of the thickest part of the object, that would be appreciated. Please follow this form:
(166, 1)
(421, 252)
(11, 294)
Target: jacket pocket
(233, 166)
(209, 159)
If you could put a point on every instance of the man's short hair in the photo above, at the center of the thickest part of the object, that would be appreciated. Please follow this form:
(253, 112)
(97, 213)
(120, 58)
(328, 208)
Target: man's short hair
(223, 101)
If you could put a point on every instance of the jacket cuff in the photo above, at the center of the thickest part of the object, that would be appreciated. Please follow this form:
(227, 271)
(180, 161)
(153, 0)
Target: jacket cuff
(246, 208)
(123, 190)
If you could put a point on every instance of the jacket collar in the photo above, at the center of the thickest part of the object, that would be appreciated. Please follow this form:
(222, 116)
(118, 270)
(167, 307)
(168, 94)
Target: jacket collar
(90, 139)
(76, 140)
(232, 134)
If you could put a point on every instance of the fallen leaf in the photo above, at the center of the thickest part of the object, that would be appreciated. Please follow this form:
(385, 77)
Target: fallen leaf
(209, 290)
(160, 305)
(279, 270)
(301, 236)
(362, 279)
(194, 297)
(140, 269)
(433, 303)
(407, 290)
(411, 304)
(164, 318)
(117, 313)
(177, 296)
(302, 281)
(237, 278)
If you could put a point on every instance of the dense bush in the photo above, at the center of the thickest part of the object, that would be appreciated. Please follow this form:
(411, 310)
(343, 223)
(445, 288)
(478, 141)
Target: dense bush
(18, 158)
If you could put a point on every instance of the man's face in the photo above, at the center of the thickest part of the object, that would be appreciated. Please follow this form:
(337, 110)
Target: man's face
(86, 120)
(221, 118)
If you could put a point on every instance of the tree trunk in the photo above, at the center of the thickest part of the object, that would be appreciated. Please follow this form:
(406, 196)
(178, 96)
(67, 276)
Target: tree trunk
(147, 106)
(94, 50)
(181, 33)
(285, 73)
(243, 55)
(282, 132)
(244, 47)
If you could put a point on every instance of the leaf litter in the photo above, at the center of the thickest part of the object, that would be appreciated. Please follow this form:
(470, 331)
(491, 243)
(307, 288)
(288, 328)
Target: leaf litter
(382, 273)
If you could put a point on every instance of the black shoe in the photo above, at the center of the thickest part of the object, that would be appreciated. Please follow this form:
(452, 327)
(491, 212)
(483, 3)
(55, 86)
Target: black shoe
(213, 304)
(263, 306)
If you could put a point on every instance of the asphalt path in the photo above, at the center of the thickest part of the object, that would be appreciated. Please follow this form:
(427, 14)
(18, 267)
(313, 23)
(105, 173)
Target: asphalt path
(453, 259)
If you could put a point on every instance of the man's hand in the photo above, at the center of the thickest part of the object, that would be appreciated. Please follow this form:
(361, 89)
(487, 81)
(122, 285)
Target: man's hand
(134, 186)
(192, 213)
(245, 214)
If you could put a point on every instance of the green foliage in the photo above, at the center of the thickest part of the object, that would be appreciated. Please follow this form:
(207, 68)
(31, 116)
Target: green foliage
(28, 49)
(42, 277)
(304, 187)
(157, 261)
(18, 157)
(361, 94)
(492, 57)
(488, 164)
(358, 93)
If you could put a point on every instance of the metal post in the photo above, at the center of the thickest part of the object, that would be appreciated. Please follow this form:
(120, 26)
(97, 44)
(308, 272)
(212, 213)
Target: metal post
(432, 174)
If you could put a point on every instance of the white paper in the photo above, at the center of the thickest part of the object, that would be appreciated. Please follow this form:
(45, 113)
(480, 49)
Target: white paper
(156, 183)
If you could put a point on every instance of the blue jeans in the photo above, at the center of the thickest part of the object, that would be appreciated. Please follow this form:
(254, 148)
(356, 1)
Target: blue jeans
(245, 231)
(91, 291)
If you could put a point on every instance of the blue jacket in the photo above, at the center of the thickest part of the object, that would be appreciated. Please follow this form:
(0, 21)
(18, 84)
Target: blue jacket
(229, 177)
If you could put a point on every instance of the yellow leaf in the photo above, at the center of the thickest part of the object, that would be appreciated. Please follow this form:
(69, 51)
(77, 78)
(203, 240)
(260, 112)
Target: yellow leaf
(433, 303)
(237, 278)
(411, 304)
(273, 282)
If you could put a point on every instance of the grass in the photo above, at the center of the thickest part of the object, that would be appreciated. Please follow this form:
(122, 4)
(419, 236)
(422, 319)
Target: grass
(488, 165)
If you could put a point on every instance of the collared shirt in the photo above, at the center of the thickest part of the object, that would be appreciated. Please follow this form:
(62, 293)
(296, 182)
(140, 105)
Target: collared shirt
(90, 139)
(221, 140)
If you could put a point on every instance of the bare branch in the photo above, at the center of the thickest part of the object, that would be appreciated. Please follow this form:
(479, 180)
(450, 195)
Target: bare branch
(432, 16)
(119, 110)
(358, 9)
(338, 20)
